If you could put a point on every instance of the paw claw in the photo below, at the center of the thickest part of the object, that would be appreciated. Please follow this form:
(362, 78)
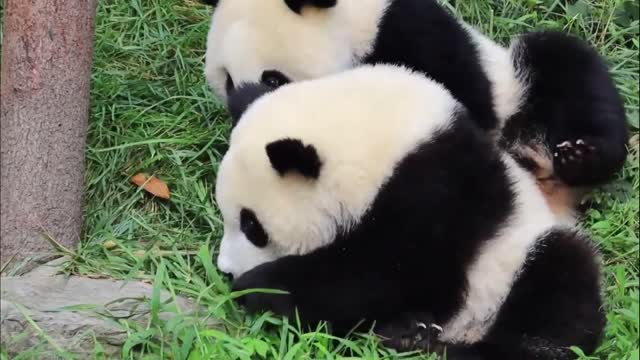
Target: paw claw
(576, 158)
(438, 328)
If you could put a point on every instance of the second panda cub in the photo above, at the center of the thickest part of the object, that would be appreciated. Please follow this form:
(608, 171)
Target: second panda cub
(370, 194)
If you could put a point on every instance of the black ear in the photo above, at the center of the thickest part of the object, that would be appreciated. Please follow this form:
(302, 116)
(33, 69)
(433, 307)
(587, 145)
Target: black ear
(296, 5)
(209, 2)
(241, 97)
(291, 155)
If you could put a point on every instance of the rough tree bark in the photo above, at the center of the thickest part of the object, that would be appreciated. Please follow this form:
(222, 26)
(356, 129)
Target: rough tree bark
(44, 91)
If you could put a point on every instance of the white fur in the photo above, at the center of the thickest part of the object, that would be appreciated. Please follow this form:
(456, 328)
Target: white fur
(360, 127)
(508, 90)
(497, 266)
(247, 37)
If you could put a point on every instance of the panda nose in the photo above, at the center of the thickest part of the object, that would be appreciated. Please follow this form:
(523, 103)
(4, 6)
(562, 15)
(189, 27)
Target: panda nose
(225, 269)
(222, 263)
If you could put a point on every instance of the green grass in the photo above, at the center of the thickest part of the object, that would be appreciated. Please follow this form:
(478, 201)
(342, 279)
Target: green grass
(152, 112)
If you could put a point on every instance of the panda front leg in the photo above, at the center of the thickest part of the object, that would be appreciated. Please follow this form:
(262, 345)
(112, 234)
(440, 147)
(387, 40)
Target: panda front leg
(324, 285)
(414, 332)
(409, 332)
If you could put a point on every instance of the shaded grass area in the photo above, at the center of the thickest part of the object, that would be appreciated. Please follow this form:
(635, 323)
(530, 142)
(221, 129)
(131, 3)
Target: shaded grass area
(152, 112)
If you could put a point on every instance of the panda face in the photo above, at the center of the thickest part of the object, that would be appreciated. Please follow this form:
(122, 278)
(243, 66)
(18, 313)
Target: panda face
(266, 41)
(266, 205)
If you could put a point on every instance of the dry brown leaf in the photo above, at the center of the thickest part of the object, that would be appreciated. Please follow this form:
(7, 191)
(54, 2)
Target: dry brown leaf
(152, 185)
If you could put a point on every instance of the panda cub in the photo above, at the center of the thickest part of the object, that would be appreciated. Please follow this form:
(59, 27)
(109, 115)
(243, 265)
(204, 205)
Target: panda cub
(549, 98)
(372, 195)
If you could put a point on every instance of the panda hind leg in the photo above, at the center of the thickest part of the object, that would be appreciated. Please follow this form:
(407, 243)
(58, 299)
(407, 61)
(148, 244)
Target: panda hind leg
(573, 102)
(554, 304)
(586, 160)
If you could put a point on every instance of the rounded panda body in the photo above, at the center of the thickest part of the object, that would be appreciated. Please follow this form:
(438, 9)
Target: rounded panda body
(548, 99)
(372, 193)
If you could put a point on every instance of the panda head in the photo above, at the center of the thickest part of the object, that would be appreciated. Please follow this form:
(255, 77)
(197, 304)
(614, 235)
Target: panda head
(280, 41)
(306, 161)
(271, 186)
(268, 190)
(267, 202)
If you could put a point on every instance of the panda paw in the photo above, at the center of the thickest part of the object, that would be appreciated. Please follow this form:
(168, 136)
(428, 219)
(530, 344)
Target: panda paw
(574, 159)
(276, 300)
(412, 333)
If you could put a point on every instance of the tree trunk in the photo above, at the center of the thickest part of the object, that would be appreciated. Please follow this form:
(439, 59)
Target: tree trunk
(44, 91)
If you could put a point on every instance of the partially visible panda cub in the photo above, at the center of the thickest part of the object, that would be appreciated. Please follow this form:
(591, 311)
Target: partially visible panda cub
(372, 195)
(549, 98)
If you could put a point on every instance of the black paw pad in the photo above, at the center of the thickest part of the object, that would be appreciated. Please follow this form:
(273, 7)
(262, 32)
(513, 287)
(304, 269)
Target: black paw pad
(577, 151)
(418, 336)
(580, 162)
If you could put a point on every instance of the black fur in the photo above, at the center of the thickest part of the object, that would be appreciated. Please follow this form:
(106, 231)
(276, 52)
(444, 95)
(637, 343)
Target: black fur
(252, 228)
(228, 84)
(296, 5)
(409, 251)
(292, 155)
(274, 78)
(422, 35)
(210, 2)
(572, 105)
(243, 96)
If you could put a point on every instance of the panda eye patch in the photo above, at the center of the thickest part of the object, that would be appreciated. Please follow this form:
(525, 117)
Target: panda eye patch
(228, 85)
(274, 78)
(252, 228)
